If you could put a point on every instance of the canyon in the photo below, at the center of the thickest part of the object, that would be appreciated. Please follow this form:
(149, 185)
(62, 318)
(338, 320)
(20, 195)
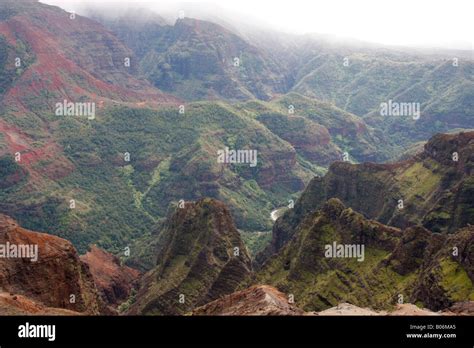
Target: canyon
(150, 170)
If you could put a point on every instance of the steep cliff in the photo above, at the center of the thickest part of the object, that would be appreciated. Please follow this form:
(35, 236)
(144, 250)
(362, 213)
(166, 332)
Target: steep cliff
(114, 281)
(377, 266)
(200, 258)
(45, 269)
(434, 189)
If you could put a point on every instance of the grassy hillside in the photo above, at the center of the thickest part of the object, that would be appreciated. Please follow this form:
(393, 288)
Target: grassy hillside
(360, 82)
(410, 266)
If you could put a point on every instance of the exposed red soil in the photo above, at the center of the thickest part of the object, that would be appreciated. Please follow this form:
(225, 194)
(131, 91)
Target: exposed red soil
(257, 300)
(11, 304)
(50, 278)
(66, 66)
(61, 65)
(111, 278)
(57, 166)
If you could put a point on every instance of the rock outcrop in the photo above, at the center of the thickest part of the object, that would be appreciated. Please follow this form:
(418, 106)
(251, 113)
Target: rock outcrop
(434, 189)
(266, 300)
(446, 274)
(347, 309)
(406, 309)
(256, 300)
(412, 265)
(309, 138)
(11, 304)
(114, 281)
(200, 258)
(51, 275)
(462, 308)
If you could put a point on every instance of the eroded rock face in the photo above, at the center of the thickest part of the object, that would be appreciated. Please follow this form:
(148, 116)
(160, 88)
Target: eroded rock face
(446, 275)
(435, 190)
(114, 281)
(441, 148)
(203, 52)
(430, 269)
(347, 309)
(200, 258)
(57, 279)
(409, 253)
(256, 300)
(277, 166)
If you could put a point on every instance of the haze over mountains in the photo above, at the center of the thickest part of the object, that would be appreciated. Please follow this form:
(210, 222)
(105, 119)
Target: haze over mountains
(140, 177)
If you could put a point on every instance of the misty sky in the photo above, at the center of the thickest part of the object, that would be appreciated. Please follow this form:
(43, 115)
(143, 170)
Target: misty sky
(424, 23)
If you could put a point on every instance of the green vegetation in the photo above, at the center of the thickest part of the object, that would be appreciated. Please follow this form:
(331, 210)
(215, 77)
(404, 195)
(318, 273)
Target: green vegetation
(173, 157)
(455, 281)
(11, 175)
(295, 103)
(395, 263)
(256, 241)
(443, 90)
(196, 258)
(8, 166)
(317, 283)
(7, 75)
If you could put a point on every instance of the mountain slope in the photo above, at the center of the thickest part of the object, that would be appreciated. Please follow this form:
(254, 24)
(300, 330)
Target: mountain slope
(173, 156)
(359, 81)
(430, 189)
(200, 258)
(112, 180)
(413, 265)
(60, 58)
(198, 59)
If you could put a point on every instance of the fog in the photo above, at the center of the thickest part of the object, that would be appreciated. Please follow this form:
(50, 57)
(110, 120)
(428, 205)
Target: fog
(414, 23)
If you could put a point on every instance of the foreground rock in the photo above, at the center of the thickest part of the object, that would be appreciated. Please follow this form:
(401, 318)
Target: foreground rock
(52, 277)
(114, 281)
(406, 309)
(200, 258)
(462, 308)
(347, 309)
(20, 305)
(267, 300)
(401, 309)
(257, 300)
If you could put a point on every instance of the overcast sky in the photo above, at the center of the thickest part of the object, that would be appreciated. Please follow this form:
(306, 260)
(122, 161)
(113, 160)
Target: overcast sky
(427, 23)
